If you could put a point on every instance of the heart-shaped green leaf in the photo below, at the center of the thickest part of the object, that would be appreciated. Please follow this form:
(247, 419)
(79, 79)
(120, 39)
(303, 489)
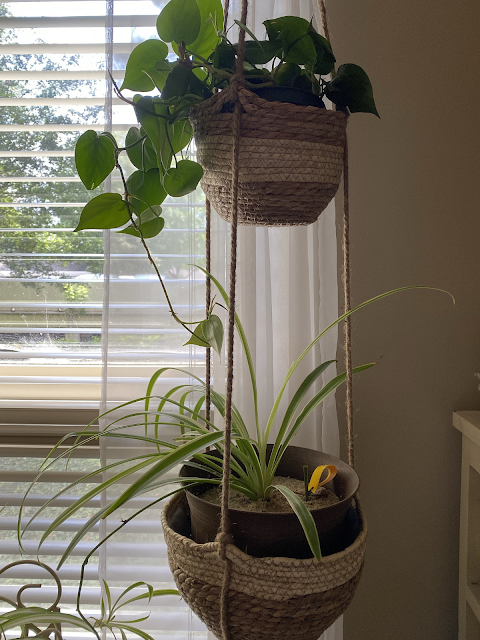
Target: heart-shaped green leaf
(212, 329)
(211, 21)
(293, 34)
(177, 82)
(198, 338)
(303, 82)
(182, 179)
(148, 224)
(224, 56)
(153, 116)
(106, 211)
(325, 62)
(142, 72)
(182, 134)
(286, 74)
(145, 189)
(94, 158)
(182, 81)
(179, 21)
(142, 155)
(352, 88)
(262, 51)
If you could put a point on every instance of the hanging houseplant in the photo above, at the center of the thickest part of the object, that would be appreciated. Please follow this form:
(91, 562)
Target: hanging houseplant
(292, 148)
(239, 596)
(267, 595)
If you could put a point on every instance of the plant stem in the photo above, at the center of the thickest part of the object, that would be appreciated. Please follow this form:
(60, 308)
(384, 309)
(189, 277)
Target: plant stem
(133, 143)
(147, 250)
(305, 482)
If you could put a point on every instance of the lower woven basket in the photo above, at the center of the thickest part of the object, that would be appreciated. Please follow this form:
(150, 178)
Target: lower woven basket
(269, 598)
(290, 162)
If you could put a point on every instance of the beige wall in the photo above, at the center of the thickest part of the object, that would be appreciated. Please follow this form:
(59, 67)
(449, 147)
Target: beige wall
(415, 199)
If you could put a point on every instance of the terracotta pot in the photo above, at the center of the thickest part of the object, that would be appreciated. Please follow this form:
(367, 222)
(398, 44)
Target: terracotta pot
(281, 534)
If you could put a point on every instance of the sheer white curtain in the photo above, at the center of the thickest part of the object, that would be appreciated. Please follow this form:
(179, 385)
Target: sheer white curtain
(287, 293)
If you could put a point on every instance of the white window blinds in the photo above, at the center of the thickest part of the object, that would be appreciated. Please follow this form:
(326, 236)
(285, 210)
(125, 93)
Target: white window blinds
(137, 554)
(52, 87)
(52, 283)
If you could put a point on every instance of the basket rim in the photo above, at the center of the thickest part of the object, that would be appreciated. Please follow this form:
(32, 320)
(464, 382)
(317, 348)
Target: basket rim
(238, 556)
(216, 102)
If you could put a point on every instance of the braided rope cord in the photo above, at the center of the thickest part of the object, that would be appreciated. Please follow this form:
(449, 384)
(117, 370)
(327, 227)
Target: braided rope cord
(224, 537)
(346, 277)
(208, 299)
(208, 267)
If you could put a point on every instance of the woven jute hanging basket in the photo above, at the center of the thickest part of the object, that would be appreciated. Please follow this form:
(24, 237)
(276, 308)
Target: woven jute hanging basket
(290, 164)
(268, 598)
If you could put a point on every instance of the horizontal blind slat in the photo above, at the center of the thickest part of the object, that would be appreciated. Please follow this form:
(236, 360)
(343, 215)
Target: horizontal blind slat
(43, 48)
(58, 75)
(57, 548)
(62, 22)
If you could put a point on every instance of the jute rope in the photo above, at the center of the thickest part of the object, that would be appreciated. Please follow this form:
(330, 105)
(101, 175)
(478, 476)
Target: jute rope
(347, 323)
(346, 277)
(208, 298)
(208, 267)
(323, 18)
(224, 538)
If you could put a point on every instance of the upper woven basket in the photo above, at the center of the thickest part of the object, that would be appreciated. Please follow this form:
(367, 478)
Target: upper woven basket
(291, 158)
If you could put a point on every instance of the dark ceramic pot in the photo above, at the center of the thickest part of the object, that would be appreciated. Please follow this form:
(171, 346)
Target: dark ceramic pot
(289, 94)
(281, 534)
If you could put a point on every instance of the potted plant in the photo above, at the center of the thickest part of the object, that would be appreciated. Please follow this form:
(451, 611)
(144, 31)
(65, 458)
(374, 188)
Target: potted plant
(292, 145)
(41, 622)
(283, 108)
(254, 461)
(196, 566)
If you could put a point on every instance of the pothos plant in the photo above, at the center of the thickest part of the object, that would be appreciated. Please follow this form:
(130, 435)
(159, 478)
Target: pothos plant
(252, 469)
(192, 59)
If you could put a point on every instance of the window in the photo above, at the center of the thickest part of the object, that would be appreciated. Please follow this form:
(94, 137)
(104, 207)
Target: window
(145, 560)
(52, 289)
(52, 88)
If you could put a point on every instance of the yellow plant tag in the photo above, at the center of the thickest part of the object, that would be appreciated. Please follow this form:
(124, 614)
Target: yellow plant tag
(315, 482)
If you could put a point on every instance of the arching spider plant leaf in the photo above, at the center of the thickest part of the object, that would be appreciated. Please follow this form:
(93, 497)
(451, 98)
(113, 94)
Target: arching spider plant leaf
(305, 518)
(168, 461)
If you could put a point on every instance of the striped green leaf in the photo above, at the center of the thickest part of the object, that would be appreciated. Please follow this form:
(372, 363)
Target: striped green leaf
(305, 518)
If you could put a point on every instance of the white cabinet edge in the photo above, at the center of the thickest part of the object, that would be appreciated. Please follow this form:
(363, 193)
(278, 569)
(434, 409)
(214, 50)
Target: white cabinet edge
(468, 422)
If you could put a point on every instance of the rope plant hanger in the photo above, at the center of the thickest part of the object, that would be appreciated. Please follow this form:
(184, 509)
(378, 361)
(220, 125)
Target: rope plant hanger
(290, 163)
(237, 596)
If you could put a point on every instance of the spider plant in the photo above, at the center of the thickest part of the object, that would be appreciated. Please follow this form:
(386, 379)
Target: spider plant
(252, 470)
(28, 619)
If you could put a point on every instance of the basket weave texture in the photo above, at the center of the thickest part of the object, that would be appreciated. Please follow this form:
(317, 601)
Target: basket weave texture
(291, 158)
(269, 598)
